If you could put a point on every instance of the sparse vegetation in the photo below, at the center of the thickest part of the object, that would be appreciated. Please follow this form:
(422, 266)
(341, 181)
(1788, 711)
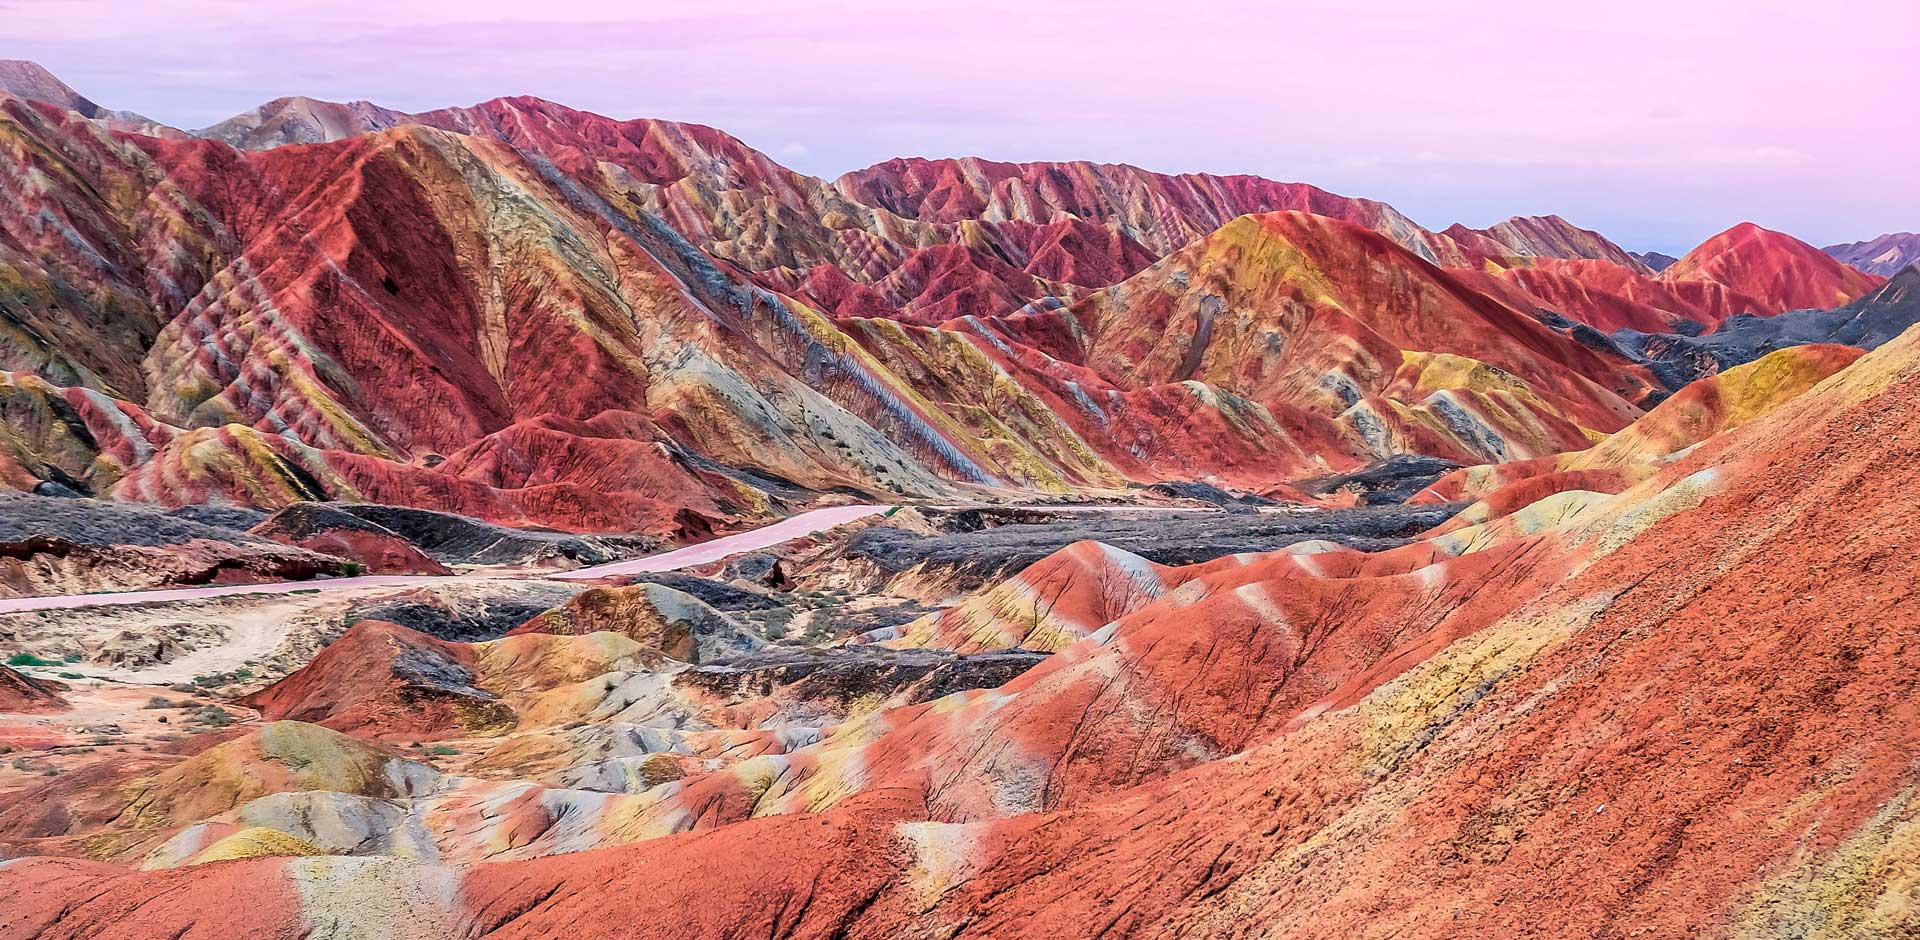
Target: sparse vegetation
(214, 680)
(822, 626)
(28, 659)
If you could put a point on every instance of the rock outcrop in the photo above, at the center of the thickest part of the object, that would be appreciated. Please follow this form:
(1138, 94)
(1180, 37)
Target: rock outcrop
(330, 531)
(677, 625)
(25, 694)
(52, 545)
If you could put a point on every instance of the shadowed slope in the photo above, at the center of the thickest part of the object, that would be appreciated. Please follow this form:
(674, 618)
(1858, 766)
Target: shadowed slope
(1866, 323)
(25, 694)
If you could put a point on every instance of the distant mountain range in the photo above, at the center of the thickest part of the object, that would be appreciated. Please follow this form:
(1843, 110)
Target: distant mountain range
(1884, 256)
(538, 315)
(1654, 260)
(29, 80)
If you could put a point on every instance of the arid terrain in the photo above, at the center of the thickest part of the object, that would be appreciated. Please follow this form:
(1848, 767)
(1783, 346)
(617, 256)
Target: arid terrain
(508, 521)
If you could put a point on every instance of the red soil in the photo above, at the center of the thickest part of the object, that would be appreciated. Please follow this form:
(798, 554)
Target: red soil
(20, 693)
(1577, 733)
(1779, 271)
(382, 680)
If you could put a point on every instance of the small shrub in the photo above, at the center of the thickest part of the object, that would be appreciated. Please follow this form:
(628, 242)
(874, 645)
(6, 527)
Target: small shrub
(213, 716)
(822, 627)
(69, 675)
(351, 569)
(28, 659)
(441, 750)
(159, 702)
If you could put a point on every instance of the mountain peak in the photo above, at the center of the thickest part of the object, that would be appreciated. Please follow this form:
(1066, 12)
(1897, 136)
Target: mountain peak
(1654, 260)
(1886, 255)
(1760, 262)
(31, 80)
(1742, 235)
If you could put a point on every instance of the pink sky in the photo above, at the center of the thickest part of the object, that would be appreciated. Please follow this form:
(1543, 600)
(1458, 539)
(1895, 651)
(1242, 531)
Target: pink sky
(1658, 123)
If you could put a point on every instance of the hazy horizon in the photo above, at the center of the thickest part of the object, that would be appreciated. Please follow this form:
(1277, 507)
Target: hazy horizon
(1657, 124)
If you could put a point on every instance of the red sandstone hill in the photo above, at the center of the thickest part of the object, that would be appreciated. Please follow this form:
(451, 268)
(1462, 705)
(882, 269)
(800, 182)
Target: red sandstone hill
(1746, 269)
(1607, 296)
(32, 82)
(20, 693)
(539, 315)
(343, 321)
(29, 80)
(1779, 272)
(1162, 211)
(1548, 236)
(1553, 731)
(1322, 320)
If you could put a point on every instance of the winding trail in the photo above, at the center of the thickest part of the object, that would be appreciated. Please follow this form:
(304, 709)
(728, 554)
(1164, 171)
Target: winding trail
(804, 524)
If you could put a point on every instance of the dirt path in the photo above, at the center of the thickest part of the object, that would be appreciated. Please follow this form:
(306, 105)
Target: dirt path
(807, 523)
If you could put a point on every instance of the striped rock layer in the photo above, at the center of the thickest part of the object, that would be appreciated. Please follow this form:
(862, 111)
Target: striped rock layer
(1487, 731)
(539, 315)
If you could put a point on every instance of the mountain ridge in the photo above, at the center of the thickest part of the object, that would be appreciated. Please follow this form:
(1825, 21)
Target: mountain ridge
(1885, 255)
